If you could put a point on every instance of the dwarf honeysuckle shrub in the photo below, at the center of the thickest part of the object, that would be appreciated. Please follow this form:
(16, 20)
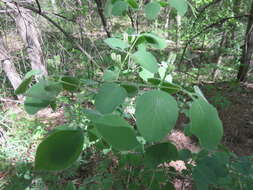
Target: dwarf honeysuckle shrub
(155, 106)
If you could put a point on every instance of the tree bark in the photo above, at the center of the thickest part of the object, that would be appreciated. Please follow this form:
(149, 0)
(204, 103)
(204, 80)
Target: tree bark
(9, 67)
(247, 49)
(31, 36)
(216, 71)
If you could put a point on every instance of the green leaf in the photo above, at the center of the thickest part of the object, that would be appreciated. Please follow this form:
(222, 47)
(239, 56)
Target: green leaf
(145, 75)
(108, 8)
(133, 4)
(116, 43)
(132, 90)
(92, 115)
(159, 153)
(152, 10)
(156, 114)
(180, 5)
(70, 186)
(205, 123)
(171, 88)
(152, 39)
(41, 95)
(70, 84)
(32, 73)
(59, 150)
(209, 170)
(110, 95)
(119, 7)
(111, 75)
(203, 176)
(199, 93)
(146, 60)
(22, 88)
(117, 132)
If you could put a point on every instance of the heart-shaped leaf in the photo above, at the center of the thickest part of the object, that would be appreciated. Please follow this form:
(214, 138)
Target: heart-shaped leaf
(152, 10)
(59, 150)
(156, 114)
(180, 5)
(119, 7)
(117, 132)
(110, 96)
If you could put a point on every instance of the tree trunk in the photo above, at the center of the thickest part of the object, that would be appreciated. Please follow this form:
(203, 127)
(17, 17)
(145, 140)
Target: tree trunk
(31, 36)
(216, 71)
(247, 49)
(9, 67)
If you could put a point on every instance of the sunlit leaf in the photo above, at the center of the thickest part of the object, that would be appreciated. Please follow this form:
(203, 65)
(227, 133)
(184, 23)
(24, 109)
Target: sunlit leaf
(156, 114)
(180, 5)
(146, 60)
(152, 10)
(116, 43)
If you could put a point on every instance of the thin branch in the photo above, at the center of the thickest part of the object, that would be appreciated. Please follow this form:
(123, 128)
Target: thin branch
(38, 4)
(218, 23)
(102, 17)
(67, 35)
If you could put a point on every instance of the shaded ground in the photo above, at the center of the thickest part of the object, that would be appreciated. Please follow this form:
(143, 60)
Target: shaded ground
(235, 105)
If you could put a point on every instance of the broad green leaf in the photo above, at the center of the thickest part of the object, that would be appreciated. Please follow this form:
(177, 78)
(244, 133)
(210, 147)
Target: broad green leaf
(119, 7)
(180, 5)
(156, 114)
(108, 8)
(70, 186)
(159, 153)
(59, 150)
(145, 75)
(70, 84)
(146, 60)
(133, 4)
(117, 132)
(23, 87)
(153, 40)
(110, 95)
(92, 115)
(111, 75)
(32, 73)
(209, 170)
(203, 177)
(205, 123)
(132, 90)
(152, 10)
(41, 95)
(199, 93)
(116, 43)
(171, 88)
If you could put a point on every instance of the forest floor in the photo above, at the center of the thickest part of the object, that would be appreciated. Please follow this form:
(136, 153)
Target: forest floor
(235, 106)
